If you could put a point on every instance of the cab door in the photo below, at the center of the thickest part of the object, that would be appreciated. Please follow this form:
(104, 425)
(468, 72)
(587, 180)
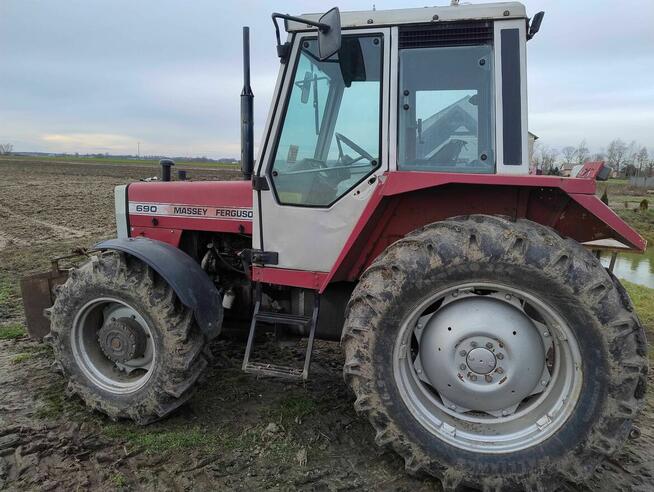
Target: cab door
(327, 145)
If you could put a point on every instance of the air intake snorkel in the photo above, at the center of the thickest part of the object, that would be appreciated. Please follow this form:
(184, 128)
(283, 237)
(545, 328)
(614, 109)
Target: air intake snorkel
(247, 117)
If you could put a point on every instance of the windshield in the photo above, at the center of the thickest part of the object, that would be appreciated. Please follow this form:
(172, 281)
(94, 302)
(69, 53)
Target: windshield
(330, 138)
(446, 109)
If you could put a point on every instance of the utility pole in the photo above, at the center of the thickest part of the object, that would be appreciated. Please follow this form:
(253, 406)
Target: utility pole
(138, 150)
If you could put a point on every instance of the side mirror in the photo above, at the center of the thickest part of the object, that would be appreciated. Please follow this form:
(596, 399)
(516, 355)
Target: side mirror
(534, 25)
(329, 33)
(306, 87)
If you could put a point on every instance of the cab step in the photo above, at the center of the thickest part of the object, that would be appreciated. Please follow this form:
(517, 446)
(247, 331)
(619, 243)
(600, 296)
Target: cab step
(275, 318)
(266, 369)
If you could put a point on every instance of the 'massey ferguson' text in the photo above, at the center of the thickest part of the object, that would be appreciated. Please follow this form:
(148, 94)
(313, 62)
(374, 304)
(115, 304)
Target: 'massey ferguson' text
(173, 210)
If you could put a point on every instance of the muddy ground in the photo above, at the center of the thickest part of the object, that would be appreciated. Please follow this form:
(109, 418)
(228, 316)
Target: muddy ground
(237, 433)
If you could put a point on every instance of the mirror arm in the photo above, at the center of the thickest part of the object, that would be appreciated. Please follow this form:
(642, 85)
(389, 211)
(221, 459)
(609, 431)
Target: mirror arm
(324, 28)
(283, 50)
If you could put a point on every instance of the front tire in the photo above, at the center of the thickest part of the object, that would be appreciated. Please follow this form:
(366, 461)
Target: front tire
(128, 347)
(559, 363)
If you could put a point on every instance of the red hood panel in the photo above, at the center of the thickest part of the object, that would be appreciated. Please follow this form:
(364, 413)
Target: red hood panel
(220, 206)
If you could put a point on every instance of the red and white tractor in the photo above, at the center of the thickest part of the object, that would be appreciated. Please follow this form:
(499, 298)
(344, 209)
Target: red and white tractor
(390, 208)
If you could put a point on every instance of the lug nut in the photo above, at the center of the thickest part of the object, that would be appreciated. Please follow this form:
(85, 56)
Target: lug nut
(463, 353)
(473, 377)
(489, 378)
(508, 297)
(473, 344)
(543, 382)
(462, 367)
(499, 370)
(505, 412)
(500, 356)
(546, 333)
(489, 345)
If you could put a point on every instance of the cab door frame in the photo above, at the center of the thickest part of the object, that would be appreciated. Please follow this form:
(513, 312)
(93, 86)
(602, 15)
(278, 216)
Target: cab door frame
(311, 238)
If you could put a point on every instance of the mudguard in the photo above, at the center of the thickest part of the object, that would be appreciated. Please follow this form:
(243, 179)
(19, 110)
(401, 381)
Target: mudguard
(191, 284)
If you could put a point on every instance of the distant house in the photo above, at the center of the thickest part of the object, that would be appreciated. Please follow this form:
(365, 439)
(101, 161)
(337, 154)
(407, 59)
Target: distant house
(531, 139)
(566, 169)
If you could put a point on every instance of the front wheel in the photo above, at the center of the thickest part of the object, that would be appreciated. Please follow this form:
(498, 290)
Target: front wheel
(127, 345)
(495, 354)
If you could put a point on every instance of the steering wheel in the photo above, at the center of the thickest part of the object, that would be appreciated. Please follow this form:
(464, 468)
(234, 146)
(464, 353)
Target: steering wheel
(362, 153)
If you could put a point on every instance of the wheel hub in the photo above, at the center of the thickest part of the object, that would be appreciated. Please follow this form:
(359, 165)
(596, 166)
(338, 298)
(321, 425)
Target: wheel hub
(477, 368)
(481, 360)
(122, 339)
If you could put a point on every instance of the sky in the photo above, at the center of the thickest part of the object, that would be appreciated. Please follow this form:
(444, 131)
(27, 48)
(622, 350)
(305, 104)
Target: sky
(103, 75)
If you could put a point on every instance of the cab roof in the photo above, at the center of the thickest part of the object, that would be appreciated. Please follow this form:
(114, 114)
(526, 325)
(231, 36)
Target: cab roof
(371, 18)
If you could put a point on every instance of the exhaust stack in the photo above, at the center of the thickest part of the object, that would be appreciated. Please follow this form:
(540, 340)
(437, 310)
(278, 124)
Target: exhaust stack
(247, 118)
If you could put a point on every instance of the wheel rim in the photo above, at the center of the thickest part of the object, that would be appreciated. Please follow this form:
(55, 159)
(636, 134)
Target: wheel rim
(113, 345)
(487, 368)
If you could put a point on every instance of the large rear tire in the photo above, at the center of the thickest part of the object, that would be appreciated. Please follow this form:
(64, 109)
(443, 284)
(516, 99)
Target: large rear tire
(128, 347)
(495, 354)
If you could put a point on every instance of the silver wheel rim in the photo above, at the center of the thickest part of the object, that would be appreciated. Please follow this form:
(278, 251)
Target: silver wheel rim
(117, 377)
(487, 368)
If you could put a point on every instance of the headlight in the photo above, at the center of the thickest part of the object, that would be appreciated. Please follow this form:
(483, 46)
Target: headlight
(120, 197)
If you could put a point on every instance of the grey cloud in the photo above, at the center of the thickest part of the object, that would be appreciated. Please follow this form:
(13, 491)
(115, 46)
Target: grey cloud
(168, 73)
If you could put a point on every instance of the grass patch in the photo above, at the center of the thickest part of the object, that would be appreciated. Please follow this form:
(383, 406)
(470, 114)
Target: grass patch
(166, 439)
(30, 352)
(53, 401)
(122, 161)
(176, 437)
(22, 357)
(643, 221)
(11, 331)
(293, 408)
(643, 299)
(118, 479)
(10, 301)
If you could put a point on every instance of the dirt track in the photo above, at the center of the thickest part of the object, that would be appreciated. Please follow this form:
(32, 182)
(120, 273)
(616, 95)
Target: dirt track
(238, 432)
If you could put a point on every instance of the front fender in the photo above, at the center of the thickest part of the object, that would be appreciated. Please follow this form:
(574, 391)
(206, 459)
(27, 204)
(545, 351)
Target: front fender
(191, 284)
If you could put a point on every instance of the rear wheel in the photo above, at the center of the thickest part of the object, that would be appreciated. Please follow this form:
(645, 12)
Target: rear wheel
(494, 354)
(129, 348)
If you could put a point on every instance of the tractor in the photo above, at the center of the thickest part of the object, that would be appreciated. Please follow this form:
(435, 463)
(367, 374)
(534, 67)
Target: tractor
(391, 208)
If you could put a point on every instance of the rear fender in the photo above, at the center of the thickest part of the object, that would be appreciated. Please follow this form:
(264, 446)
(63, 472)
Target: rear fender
(406, 201)
(191, 284)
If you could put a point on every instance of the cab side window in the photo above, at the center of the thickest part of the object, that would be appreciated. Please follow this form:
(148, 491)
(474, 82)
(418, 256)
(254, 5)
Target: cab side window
(446, 109)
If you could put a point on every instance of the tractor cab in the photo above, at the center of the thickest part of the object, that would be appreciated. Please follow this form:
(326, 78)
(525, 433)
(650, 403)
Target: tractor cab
(439, 89)
(365, 96)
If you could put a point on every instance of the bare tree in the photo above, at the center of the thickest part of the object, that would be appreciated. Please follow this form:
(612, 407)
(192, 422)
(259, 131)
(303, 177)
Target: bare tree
(545, 158)
(642, 160)
(569, 154)
(552, 157)
(616, 154)
(582, 152)
(632, 152)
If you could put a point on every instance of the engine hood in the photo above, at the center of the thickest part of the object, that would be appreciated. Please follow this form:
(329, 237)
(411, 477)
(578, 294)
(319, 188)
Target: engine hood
(162, 208)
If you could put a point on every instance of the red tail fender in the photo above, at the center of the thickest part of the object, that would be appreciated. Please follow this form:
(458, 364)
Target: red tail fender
(405, 201)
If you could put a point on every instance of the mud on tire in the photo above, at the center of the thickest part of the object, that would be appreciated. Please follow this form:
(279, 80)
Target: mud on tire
(178, 344)
(534, 259)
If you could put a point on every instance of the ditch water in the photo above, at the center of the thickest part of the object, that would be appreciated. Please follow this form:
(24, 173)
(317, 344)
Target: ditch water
(638, 269)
